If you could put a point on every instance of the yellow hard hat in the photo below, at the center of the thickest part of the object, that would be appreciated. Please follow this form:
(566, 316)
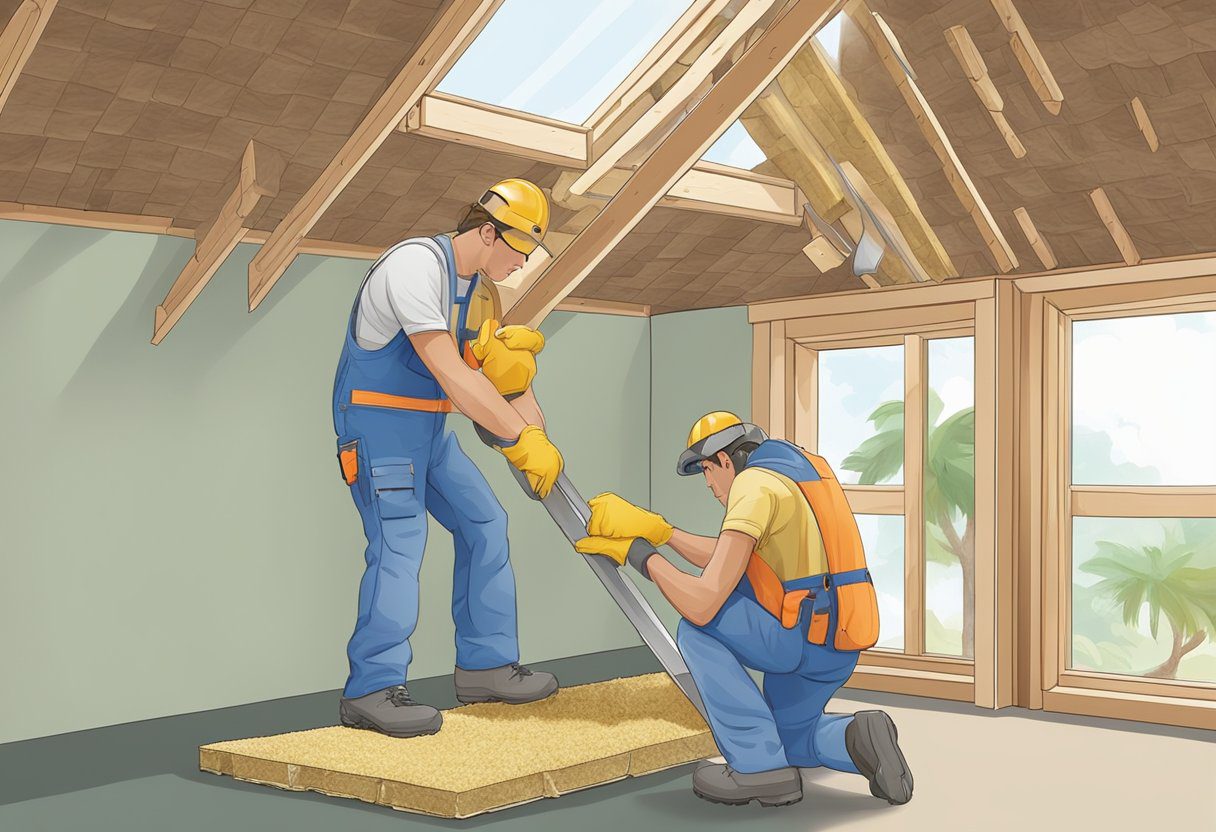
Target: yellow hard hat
(712, 433)
(523, 209)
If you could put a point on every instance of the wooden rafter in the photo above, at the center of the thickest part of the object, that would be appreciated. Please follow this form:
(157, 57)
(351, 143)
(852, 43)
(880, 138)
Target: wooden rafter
(683, 146)
(1033, 64)
(18, 39)
(256, 177)
(820, 102)
(823, 187)
(1041, 249)
(1123, 240)
(437, 52)
(931, 128)
(662, 57)
(683, 93)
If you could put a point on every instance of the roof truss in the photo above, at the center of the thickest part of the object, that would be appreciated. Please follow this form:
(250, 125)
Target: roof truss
(675, 155)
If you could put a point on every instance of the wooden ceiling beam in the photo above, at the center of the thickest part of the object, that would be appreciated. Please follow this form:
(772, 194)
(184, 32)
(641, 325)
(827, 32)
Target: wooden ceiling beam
(684, 93)
(708, 187)
(931, 128)
(18, 39)
(464, 121)
(256, 177)
(673, 157)
(1123, 240)
(437, 52)
(1033, 64)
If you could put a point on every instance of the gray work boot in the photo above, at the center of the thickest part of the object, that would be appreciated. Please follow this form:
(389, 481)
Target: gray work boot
(512, 683)
(719, 783)
(390, 711)
(872, 742)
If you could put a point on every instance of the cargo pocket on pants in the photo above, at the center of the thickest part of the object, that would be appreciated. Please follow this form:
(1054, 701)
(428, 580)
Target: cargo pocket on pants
(397, 503)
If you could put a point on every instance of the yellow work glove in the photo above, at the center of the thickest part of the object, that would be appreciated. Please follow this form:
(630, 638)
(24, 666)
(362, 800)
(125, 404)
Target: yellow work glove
(521, 338)
(614, 516)
(508, 355)
(537, 457)
(616, 548)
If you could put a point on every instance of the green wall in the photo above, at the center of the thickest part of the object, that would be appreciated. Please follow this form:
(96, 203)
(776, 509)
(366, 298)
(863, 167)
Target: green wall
(176, 537)
(702, 362)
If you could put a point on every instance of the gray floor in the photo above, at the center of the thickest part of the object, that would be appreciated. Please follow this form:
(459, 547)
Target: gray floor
(974, 769)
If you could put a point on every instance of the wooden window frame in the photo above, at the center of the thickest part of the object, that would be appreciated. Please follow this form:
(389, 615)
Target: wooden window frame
(786, 346)
(1054, 499)
(1022, 331)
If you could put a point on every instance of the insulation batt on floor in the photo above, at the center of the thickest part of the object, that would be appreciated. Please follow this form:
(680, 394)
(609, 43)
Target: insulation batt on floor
(487, 756)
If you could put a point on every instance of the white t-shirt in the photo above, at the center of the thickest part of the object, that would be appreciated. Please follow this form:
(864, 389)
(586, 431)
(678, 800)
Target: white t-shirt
(407, 290)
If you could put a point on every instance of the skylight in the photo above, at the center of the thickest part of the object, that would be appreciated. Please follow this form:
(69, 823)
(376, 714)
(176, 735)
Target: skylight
(736, 148)
(559, 60)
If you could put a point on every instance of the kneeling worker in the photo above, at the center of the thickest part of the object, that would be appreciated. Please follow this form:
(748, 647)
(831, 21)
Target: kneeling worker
(413, 350)
(784, 590)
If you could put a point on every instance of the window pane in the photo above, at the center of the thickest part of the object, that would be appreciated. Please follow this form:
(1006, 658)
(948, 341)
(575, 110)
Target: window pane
(861, 413)
(950, 498)
(882, 537)
(1142, 597)
(559, 60)
(1144, 400)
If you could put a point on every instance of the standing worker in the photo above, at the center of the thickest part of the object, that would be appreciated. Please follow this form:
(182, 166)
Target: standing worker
(785, 591)
(421, 328)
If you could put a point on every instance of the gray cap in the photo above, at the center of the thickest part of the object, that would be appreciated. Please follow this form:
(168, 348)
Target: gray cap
(690, 461)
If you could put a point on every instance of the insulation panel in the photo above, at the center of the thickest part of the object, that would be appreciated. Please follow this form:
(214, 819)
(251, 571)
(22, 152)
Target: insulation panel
(487, 756)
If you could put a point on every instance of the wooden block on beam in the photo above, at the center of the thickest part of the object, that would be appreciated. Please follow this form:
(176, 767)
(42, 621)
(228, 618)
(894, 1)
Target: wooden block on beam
(976, 70)
(1145, 125)
(822, 253)
(1033, 64)
(256, 177)
(18, 39)
(965, 51)
(1114, 225)
(1046, 256)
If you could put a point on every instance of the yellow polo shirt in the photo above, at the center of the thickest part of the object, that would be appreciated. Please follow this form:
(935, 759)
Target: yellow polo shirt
(770, 507)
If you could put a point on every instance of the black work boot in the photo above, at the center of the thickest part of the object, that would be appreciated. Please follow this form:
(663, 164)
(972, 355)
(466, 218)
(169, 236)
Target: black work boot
(872, 742)
(390, 711)
(512, 683)
(719, 783)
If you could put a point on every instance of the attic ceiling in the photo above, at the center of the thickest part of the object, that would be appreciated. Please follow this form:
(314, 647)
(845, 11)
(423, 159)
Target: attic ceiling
(144, 108)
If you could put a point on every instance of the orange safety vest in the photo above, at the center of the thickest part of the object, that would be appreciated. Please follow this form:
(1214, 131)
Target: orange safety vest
(847, 594)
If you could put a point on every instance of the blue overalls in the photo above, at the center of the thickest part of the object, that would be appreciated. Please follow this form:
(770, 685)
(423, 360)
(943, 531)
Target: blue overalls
(409, 465)
(785, 725)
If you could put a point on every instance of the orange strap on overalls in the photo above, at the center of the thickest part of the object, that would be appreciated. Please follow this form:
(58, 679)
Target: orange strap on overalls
(855, 602)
